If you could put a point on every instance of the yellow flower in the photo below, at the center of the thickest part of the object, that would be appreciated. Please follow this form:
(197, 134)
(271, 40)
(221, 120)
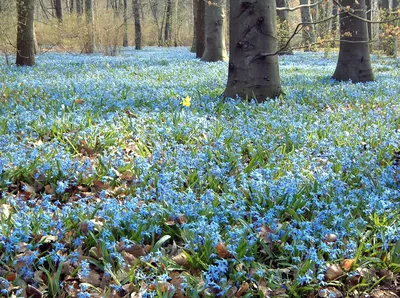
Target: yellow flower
(186, 101)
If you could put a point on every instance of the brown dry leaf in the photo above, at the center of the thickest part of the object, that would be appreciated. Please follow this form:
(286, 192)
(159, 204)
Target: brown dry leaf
(11, 276)
(330, 292)
(333, 272)
(347, 264)
(48, 189)
(92, 278)
(264, 234)
(129, 258)
(222, 250)
(99, 185)
(135, 250)
(33, 292)
(243, 289)
(176, 281)
(181, 259)
(79, 101)
(383, 294)
(329, 238)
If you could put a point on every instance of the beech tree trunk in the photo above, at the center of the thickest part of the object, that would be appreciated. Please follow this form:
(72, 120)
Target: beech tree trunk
(125, 38)
(308, 31)
(59, 11)
(79, 7)
(168, 22)
(138, 26)
(193, 49)
(215, 49)
(354, 59)
(200, 28)
(253, 71)
(284, 33)
(90, 24)
(71, 6)
(25, 33)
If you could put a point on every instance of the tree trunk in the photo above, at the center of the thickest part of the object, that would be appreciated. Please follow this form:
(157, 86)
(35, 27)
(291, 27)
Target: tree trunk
(25, 34)
(90, 24)
(168, 22)
(284, 32)
(125, 40)
(79, 7)
(138, 26)
(71, 6)
(333, 25)
(59, 11)
(200, 28)
(253, 73)
(354, 60)
(308, 31)
(195, 3)
(369, 18)
(215, 49)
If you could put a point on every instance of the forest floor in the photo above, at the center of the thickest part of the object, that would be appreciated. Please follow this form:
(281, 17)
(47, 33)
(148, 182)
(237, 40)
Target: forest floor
(129, 176)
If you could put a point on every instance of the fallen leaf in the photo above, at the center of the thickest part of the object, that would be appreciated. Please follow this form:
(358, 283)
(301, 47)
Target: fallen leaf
(333, 272)
(347, 264)
(181, 259)
(243, 289)
(222, 250)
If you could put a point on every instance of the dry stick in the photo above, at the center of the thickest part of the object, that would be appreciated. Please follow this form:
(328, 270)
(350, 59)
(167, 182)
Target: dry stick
(300, 6)
(350, 12)
(300, 27)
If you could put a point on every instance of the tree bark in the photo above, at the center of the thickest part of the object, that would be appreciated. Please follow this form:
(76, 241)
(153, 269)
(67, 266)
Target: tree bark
(71, 6)
(79, 7)
(354, 59)
(200, 28)
(253, 73)
(90, 24)
(138, 26)
(308, 31)
(125, 39)
(193, 49)
(25, 33)
(215, 49)
(59, 10)
(284, 32)
(333, 25)
(168, 22)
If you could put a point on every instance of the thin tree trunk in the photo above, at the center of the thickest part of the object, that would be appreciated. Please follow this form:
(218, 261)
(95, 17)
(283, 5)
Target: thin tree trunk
(193, 49)
(308, 31)
(79, 7)
(215, 49)
(125, 40)
(59, 11)
(138, 27)
(25, 33)
(90, 24)
(252, 72)
(200, 28)
(333, 25)
(168, 22)
(71, 6)
(354, 59)
(284, 33)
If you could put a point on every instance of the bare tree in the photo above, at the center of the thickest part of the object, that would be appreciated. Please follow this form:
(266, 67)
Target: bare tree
(25, 33)
(125, 38)
(90, 23)
(200, 28)
(252, 72)
(138, 26)
(354, 59)
(215, 49)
